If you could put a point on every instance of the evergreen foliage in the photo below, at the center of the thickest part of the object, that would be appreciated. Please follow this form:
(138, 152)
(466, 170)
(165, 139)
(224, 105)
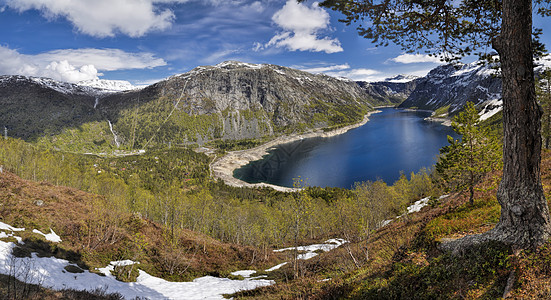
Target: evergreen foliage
(465, 162)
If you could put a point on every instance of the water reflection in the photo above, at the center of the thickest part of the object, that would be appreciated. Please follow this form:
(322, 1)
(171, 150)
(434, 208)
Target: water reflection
(392, 141)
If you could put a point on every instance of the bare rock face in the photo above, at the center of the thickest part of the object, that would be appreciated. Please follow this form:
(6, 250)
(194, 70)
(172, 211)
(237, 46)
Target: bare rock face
(392, 91)
(455, 85)
(244, 100)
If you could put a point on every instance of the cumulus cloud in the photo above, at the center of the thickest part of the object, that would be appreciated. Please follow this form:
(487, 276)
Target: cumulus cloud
(301, 29)
(105, 18)
(103, 59)
(73, 65)
(416, 58)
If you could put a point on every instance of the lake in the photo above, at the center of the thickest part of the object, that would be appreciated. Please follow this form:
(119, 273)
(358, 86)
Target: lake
(394, 140)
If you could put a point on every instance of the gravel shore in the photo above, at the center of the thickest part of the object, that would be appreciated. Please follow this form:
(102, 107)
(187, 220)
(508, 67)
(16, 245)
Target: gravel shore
(223, 167)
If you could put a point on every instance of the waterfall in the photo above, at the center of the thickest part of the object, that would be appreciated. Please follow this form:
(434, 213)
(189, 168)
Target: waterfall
(114, 134)
(96, 104)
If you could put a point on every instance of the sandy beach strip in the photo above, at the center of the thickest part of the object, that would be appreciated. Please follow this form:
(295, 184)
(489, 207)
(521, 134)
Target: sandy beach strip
(223, 167)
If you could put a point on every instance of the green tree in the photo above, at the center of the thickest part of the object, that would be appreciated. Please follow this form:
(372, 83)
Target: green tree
(453, 29)
(543, 92)
(465, 162)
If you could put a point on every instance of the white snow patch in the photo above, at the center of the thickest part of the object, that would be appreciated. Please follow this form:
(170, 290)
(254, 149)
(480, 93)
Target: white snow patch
(244, 273)
(491, 108)
(109, 86)
(310, 249)
(276, 267)
(401, 78)
(49, 272)
(4, 226)
(122, 263)
(238, 64)
(418, 205)
(415, 207)
(52, 236)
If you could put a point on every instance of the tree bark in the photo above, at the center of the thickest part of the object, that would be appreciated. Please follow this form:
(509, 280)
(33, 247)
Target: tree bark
(524, 220)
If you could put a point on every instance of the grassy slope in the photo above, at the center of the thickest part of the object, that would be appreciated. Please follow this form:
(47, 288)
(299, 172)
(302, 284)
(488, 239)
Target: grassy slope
(92, 234)
(406, 263)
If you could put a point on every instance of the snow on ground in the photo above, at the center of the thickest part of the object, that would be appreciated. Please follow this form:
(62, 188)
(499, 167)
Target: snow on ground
(310, 251)
(418, 205)
(276, 267)
(52, 236)
(109, 86)
(50, 272)
(415, 207)
(244, 273)
(4, 226)
(491, 108)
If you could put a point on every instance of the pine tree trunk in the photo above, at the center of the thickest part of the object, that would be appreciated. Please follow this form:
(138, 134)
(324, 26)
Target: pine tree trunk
(524, 220)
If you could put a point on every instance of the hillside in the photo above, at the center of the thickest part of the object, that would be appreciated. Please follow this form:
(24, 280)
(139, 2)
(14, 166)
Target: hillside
(229, 101)
(89, 233)
(451, 86)
(232, 101)
(405, 261)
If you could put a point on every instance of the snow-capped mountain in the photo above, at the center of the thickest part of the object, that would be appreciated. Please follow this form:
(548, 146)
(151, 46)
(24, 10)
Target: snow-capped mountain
(108, 85)
(455, 85)
(401, 78)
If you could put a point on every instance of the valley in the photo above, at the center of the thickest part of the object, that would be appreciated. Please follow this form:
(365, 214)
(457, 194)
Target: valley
(146, 175)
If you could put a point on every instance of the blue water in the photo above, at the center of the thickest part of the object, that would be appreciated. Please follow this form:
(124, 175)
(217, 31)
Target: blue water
(392, 141)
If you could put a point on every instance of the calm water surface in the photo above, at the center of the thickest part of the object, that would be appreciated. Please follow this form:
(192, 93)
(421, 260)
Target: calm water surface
(392, 141)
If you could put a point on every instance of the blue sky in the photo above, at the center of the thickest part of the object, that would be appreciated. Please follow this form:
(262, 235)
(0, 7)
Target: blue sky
(143, 41)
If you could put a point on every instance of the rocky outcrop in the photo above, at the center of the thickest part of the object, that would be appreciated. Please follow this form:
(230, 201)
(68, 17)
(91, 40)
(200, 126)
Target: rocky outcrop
(454, 85)
(392, 91)
(247, 101)
(229, 101)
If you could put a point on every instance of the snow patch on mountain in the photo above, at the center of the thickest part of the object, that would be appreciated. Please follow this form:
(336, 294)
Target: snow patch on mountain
(108, 85)
(490, 108)
(454, 85)
(232, 64)
(401, 78)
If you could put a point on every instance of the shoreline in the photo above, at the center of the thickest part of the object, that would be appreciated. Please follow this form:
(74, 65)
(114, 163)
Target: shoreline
(443, 121)
(223, 167)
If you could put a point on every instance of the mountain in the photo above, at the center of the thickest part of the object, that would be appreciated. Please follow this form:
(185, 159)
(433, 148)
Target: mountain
(451, 86)
(233, 101)
(31, 106)
(392, 91)
(229, 101)
(108, 85)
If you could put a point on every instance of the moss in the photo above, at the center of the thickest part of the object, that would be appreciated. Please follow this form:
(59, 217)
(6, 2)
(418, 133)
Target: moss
(441, 112)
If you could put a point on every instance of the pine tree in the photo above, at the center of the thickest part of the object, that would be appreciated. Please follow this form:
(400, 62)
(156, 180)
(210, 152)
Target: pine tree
(465, 162)
(453, 29)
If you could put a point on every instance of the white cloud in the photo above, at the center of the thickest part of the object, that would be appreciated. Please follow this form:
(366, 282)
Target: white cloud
(326, 69)
(105, 18)
(103, 59)
(345, 71)
(73, 65)
(67, 72)
(255, 6)
(301, 25)
(359, 74)
(416, 58)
